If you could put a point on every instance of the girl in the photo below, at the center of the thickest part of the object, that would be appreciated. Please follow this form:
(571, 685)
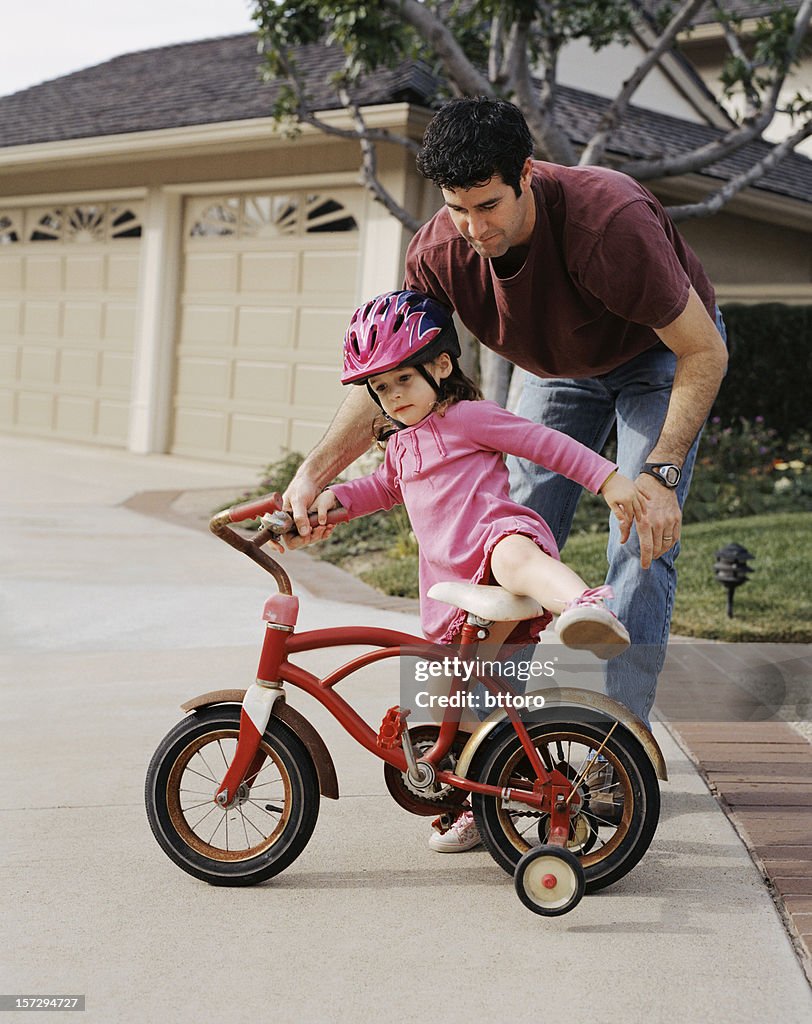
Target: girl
(444, 462)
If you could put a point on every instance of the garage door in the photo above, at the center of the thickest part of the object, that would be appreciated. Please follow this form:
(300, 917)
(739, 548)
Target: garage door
(269, 281)
(68, 280)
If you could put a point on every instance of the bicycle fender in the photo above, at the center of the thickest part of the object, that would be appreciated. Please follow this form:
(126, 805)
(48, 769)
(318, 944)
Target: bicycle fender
(563, 698)
(295, 721)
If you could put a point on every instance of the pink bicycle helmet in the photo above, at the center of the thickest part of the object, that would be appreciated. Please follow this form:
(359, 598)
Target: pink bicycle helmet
(396, 329)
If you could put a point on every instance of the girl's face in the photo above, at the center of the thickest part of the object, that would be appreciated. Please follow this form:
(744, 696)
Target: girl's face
(405, 394)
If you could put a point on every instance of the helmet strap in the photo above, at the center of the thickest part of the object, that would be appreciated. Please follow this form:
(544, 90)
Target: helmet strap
(439, 390)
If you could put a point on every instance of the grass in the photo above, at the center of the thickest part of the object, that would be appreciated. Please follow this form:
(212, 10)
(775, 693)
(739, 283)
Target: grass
(775, 605)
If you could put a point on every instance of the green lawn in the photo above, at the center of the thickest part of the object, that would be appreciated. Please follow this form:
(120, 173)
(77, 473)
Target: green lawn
(775, 605)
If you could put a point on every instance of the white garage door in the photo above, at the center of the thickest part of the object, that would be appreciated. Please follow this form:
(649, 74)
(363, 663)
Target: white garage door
(269, 282)
(68, 280)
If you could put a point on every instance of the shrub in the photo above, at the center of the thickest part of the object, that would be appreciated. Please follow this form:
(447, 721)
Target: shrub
(745, 469)
(770, 369)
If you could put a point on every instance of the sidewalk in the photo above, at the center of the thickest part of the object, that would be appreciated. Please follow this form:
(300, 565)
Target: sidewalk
(111, 618)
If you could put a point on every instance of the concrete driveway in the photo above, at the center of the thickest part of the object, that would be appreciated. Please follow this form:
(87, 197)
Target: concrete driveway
(110, 619)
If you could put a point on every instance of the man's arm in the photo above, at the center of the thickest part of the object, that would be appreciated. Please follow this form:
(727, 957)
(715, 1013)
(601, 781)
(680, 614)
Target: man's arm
(347, 438)
(701, 364)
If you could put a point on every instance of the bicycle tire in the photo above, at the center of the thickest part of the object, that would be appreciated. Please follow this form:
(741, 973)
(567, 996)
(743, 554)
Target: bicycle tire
(503, 759)
(206, 851)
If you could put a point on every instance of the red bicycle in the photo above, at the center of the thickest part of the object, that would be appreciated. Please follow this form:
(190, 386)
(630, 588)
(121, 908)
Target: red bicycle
(566, 798)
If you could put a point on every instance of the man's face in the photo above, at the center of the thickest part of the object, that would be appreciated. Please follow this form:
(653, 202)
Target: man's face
(491, 217)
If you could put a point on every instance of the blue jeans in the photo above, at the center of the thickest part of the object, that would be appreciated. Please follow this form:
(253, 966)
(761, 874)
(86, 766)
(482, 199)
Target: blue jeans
(636, 395)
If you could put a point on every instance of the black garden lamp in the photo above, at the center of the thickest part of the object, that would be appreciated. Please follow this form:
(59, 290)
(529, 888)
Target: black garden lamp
(731, 570)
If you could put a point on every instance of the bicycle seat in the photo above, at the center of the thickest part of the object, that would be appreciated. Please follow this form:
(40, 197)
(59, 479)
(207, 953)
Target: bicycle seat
(492, 603)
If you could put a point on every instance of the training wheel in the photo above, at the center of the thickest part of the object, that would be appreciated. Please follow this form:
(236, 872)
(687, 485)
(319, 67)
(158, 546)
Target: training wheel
(549, 880)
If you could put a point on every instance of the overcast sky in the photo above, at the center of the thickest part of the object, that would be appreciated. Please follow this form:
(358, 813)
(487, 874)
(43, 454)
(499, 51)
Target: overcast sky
(44, 39)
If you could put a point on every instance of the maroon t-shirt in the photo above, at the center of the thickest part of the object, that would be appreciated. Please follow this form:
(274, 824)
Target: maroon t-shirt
(605, 266)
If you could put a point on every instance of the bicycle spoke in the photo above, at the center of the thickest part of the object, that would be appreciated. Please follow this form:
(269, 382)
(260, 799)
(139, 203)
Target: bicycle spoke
(245, 830)
(206, 763)
(192, 807)
(208, 778)
(253, 824)
(216, 829)
(226, 761)
(262, 807)
(194, 828)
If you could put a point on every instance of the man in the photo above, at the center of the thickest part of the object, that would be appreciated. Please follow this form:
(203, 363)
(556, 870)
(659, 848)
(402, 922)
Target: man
(578, 276)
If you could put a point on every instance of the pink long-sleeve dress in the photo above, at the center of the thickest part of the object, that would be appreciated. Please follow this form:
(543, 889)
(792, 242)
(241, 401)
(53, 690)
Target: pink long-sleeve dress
(449, 472)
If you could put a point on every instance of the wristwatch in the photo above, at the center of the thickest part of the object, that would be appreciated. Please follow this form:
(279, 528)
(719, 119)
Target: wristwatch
(667, 473)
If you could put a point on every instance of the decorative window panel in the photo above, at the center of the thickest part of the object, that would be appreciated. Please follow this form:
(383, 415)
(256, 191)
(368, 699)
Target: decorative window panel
(271, 215)
(84, 223)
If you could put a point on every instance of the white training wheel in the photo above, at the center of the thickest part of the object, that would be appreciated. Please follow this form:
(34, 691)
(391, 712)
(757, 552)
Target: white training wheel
(549, 880)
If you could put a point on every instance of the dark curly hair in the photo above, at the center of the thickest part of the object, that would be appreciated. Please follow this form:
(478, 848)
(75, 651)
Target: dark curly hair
(469, 140)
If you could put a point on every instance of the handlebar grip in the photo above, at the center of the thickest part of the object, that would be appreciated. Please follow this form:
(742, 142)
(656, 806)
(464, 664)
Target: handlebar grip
(280, 523)
(255, 509)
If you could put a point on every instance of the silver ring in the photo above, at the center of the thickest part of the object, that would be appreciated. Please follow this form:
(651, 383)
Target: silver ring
(667, 538)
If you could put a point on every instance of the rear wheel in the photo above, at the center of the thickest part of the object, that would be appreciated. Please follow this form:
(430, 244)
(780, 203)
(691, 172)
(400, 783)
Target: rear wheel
(608, 845)
(268, 825)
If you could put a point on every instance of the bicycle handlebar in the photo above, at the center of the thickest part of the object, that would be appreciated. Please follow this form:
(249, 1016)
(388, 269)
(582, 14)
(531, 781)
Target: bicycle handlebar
(275, 523)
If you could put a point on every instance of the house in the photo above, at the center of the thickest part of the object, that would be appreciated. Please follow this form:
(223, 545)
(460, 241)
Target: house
(176, 272)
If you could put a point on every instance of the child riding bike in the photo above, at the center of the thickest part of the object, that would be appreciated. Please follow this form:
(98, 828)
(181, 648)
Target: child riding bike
(444, 462)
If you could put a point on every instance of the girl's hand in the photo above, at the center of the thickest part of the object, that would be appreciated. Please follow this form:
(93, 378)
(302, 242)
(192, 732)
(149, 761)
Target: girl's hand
(321, 531)
(322, 505)
(625, 500)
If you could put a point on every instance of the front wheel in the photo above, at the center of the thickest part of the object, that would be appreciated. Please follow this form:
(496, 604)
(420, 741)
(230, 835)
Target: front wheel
(268, 825)
(620, 797)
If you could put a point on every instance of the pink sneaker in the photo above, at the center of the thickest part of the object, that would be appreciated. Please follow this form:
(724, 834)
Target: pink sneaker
(463, 835)
(586, 624)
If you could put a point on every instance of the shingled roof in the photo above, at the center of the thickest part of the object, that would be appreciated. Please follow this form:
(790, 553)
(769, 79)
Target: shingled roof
(708, 14)
(217, 80)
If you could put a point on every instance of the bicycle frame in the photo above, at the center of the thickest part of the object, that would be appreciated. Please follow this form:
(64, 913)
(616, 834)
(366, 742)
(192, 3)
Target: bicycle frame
(551, 793)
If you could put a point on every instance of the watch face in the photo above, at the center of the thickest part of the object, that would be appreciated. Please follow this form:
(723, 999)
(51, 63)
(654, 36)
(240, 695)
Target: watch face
(671, 475)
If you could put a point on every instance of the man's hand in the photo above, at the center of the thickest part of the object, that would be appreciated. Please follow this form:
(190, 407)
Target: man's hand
(658, 528)
(298, 499)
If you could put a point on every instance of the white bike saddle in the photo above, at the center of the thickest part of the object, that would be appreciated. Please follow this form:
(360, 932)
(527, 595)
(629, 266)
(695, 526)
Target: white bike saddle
(492, 603)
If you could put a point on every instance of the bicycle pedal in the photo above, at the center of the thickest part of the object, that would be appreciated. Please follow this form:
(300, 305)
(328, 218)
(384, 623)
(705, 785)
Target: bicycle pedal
(392, 728)
(444, 822)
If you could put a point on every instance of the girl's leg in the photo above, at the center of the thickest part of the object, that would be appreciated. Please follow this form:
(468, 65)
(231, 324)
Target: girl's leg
(519, 565)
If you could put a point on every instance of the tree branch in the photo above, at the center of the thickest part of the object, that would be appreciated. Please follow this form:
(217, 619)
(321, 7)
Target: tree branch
(715, 202)
(595, 149)
(365, 136)
(306, 116)
(736, 50)
(751, 128)
(496, 51)
(369, 168)
(457, 66)
(554, 144)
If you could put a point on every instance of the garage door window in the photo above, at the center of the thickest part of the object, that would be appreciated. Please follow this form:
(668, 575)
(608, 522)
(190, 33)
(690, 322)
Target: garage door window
(270, 216)
(90, 223)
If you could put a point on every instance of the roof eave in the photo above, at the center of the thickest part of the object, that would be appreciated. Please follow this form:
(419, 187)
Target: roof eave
(191, 140)
(754, 203)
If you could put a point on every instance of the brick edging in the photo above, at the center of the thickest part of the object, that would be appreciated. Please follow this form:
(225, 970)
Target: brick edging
(761, 776)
